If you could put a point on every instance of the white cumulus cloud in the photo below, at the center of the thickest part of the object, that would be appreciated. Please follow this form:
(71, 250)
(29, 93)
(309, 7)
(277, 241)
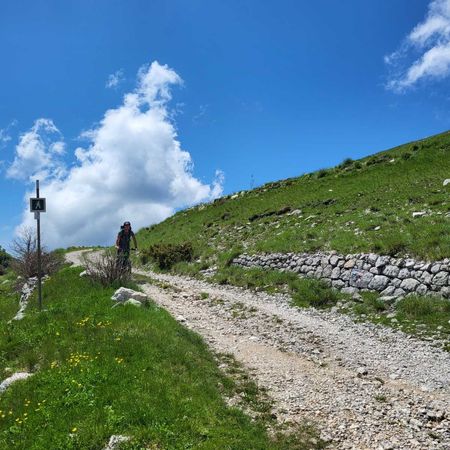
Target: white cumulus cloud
(133, 169)
(37, 151)
(115, 79)
(425, 53)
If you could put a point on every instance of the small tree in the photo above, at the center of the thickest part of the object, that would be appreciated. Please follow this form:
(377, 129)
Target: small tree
(25, 262)
(5, 260)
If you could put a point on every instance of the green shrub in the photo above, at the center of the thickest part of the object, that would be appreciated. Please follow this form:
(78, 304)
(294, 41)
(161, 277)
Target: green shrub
(314, 293)
(5, 260)
(166, 255)
(406, 155)
(346, 163)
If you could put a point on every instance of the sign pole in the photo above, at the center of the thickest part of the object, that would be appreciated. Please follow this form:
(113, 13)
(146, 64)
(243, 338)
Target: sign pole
(38, 220)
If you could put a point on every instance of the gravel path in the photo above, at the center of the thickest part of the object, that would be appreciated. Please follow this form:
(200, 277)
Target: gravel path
(366, 386)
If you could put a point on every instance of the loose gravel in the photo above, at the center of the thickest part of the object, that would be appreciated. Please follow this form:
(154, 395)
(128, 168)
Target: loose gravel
(364, 385)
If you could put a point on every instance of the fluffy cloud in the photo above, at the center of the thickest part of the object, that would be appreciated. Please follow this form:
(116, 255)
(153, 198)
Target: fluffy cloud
(133, 169)
(37, 151)
(115, 79)
(4, 137)
(430, 39)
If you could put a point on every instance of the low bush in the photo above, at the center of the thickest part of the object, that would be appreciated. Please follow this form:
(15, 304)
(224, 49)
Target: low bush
(166, 255)
(321, 173)
(406, 155)
(346, 163)
(25, 262)
(103, 268)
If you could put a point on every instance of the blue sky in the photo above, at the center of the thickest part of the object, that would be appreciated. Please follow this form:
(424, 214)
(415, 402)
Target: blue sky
(260, 90)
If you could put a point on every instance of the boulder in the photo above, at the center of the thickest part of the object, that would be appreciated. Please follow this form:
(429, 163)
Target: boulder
(335, 273)
(391, 271)
(327, 271)
(345, 275)
(123, 294)
(382, 261)
(399, 292)
(409, 284)
(337, 284)
(404, 273)
(435, 268)
(378, 283)
(440, 279)
(334, 260)
(388, 291)
(364, 281)
(349, 264)
(422, 289)
(426, 277)
(372, 258)
(349, 290)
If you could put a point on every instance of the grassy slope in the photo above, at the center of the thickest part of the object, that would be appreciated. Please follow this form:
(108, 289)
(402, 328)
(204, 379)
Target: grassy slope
(340, 210)
(103, 371)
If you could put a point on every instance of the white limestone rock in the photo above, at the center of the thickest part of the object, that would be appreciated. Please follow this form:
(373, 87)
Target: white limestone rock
(379, 282)
(12, 379)
(115, 440)
(123, 294)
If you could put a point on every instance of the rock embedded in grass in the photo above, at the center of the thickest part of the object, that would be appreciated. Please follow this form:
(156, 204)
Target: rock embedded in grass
(123, 294)
(12, 379)
(115, 440)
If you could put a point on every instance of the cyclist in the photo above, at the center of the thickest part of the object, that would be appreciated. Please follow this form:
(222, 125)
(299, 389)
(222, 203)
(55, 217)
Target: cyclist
(123, 246)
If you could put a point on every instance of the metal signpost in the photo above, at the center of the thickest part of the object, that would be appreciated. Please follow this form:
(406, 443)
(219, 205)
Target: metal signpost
(38, 205)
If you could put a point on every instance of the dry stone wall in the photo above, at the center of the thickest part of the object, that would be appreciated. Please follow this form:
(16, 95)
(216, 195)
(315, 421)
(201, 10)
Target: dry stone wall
(391, 277)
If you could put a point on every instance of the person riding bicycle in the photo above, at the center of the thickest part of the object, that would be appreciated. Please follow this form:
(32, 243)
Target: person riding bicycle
(123, 245)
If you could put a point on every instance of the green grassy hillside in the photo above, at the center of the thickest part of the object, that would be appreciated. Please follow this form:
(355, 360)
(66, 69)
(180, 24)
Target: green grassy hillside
(358, 206)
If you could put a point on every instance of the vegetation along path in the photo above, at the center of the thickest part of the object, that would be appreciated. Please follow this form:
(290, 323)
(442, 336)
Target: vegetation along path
(366, 386)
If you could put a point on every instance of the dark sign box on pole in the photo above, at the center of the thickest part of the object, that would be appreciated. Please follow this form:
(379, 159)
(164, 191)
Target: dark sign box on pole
(38, 205)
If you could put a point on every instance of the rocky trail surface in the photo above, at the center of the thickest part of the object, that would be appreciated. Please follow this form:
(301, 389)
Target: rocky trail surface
(364, 385)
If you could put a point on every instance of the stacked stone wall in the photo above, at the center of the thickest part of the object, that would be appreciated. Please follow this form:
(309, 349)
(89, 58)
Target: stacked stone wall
(391, 277)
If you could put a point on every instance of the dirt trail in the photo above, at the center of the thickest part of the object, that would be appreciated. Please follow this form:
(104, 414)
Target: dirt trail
(366, 386)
